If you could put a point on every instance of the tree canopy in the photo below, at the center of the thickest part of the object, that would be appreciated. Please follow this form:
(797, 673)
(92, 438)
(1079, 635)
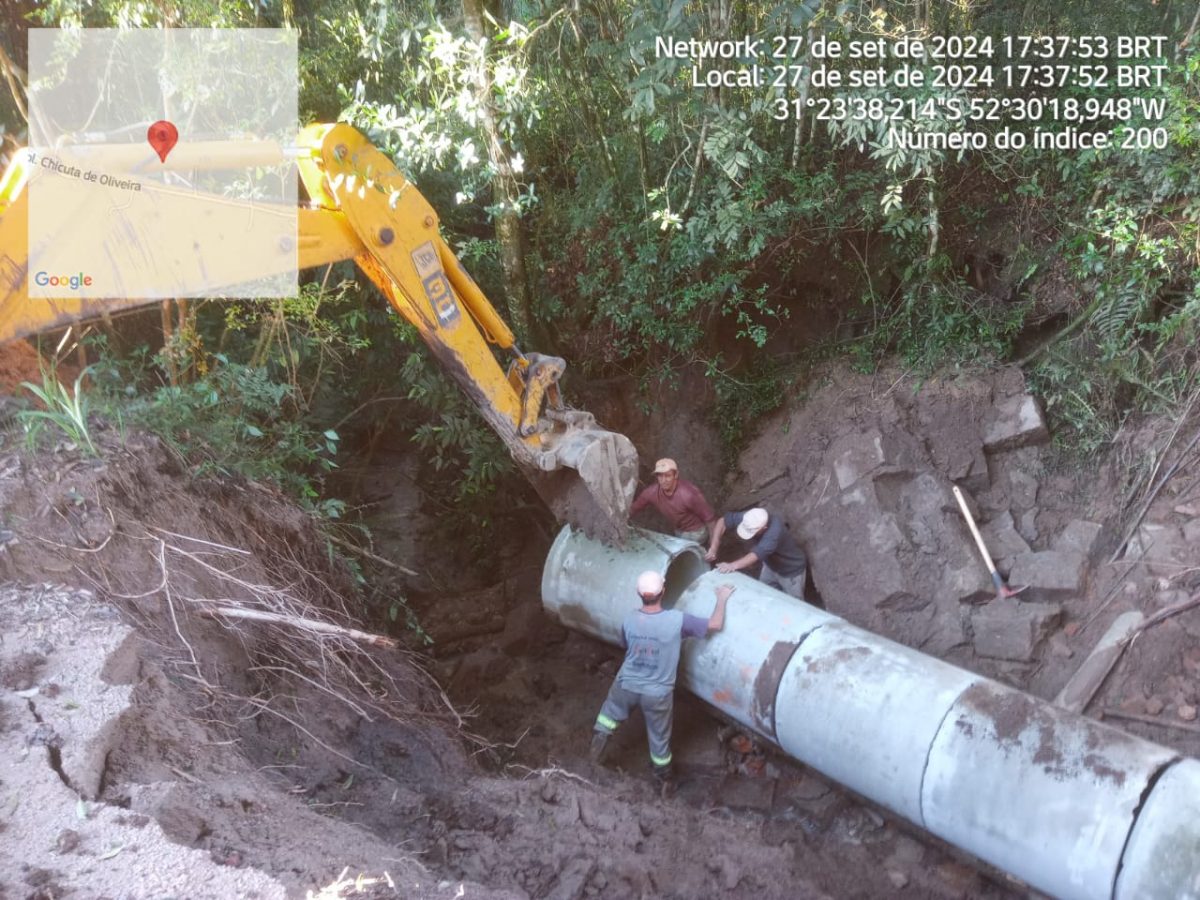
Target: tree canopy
(637, 218)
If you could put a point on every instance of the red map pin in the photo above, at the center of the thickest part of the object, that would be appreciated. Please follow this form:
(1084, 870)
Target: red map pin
(162, 136)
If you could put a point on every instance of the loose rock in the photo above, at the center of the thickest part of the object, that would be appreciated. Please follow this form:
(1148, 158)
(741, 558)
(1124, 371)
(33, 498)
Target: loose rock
(1078, 537)
(897, 878)
(67, 841)
(1017, 422)
(1161, 547)
(1007, 630)
(1003, 540)
(1050, 571)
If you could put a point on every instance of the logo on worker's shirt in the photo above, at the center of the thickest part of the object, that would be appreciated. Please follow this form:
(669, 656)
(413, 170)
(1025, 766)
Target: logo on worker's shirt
(437, 288)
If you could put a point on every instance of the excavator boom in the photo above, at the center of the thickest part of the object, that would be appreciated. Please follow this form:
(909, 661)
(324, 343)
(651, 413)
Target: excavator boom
(362, 208)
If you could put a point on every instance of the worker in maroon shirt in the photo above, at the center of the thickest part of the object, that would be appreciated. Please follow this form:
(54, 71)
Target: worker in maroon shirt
(679, 501)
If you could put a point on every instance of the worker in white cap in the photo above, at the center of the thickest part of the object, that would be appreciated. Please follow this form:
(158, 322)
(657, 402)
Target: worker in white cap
(784, 565)
(652, 637)
(679, 501)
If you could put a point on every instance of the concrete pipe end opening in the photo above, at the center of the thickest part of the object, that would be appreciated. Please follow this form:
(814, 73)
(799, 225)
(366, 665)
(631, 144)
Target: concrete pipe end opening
(682, 571)
(591, 586)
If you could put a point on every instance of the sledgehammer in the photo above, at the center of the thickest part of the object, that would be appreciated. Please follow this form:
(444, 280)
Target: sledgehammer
(1002, 589)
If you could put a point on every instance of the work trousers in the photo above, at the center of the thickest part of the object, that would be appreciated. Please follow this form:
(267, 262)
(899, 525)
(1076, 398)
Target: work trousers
(656, 709)
(789, 584)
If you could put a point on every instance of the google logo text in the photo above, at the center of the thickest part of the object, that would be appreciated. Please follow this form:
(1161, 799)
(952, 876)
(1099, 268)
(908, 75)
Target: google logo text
(71, 282)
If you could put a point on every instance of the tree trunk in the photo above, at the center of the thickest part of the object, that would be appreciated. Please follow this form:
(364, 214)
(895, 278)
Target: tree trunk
(168, 343)
(1191, 32)
(17, 82)
(504, 184)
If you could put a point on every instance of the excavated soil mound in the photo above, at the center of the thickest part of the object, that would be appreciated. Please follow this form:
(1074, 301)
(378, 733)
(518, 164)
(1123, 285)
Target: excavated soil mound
(21, 362)
(140, 717)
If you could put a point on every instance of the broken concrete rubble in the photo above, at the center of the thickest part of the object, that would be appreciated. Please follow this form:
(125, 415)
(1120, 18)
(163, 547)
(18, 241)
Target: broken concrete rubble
(1050, 571)
(1017, 422)
(1007, 629)
(1003, 540)
(1078, 537)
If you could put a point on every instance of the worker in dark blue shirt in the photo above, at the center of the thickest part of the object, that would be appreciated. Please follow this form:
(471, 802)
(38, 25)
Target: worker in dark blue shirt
(784, 565)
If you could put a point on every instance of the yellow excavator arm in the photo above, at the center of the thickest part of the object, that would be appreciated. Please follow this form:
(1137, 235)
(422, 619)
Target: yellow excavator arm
(362, 208)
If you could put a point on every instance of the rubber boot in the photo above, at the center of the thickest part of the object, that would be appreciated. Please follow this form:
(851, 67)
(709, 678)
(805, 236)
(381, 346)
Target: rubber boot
(665, 777)
(599, 745)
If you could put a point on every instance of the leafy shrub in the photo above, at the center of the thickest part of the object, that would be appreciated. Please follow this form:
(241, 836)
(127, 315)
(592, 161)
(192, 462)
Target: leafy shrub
(233, 419)
(745, 399)
(942, 322)
(67, 410)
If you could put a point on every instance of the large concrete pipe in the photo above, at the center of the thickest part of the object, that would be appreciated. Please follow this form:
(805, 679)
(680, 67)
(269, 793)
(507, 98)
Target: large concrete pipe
(1073, 807)
(587, 585)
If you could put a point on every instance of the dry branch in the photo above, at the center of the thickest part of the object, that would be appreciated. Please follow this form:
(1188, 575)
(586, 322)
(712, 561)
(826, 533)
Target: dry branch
(1163, 614)
(255, 615)
(362, 551)
(1148, 499)
(307, 638)
(196, 540)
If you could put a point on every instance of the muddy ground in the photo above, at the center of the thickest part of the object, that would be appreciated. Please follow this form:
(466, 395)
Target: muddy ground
(158, 742)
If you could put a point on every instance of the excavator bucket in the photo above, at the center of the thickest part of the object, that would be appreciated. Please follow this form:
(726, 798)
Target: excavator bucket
(587, 475)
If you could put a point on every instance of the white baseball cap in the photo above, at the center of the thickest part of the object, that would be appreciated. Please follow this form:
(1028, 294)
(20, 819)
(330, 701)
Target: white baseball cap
(650, 584)
(752, 520)
(665, 465)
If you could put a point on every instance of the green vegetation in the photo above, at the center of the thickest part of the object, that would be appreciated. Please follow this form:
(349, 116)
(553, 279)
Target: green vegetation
(632, 222)
(234, 419)
(744, 400)
(65, 409)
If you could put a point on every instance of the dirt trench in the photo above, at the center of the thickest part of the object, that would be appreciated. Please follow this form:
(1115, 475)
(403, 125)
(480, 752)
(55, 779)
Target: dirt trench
(154, 748)
(861, 468)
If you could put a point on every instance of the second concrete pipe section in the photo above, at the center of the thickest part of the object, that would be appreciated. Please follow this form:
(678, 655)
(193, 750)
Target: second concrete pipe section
(1073, 807)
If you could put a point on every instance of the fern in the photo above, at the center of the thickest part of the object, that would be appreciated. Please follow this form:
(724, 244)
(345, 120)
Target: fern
(1114, 318)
